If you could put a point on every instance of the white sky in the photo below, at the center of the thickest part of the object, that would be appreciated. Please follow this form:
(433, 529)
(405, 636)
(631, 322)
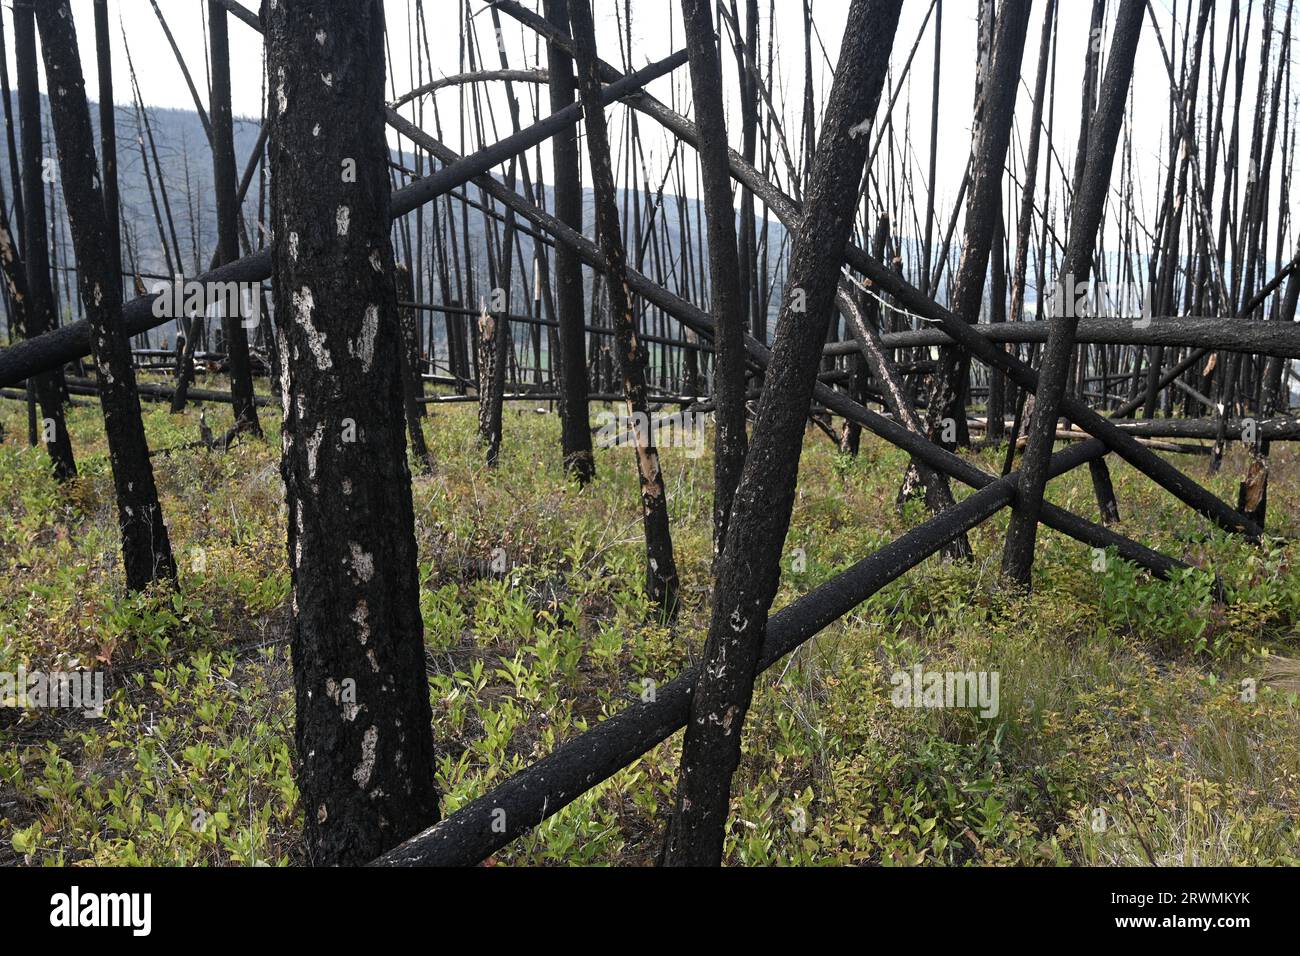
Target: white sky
(656, 33)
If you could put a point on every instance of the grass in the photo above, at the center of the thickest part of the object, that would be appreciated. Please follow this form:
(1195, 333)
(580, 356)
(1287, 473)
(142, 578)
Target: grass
(1139, 721)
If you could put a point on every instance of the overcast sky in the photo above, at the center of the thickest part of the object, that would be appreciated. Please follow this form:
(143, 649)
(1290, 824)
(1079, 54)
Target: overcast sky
(656, 32)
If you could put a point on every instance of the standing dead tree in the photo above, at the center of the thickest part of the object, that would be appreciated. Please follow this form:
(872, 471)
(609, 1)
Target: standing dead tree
(363, 717)
(748, 571)
(225, 186)
(1091, 187)
(661, 573)
(146, 549)
(575, 421)
(40, 302)
(728, 304)
(108, 137)
(412, 380)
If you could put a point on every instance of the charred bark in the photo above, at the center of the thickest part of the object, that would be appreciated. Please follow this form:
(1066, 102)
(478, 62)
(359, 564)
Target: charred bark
(48, 384)
(570, 311)
(995, 110)
(226, 187)
(728, 303)
(1085, 218)
(412, 380)
(661, 573)
(146, 550)
(363, 737)
(749, 570)
(491, 340)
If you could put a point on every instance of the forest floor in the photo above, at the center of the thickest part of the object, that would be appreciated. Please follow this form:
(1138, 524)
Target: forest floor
(1138, 722)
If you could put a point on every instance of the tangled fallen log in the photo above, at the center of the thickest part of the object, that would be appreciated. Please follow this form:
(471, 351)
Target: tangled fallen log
(525, 799)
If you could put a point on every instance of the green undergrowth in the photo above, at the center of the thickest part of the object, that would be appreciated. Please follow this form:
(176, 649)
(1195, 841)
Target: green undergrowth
(1138, 721)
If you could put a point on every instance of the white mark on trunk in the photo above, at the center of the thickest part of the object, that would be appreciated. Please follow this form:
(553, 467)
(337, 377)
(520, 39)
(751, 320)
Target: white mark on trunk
(362, 562)
(362, 774)
(343, 218)
(293, 247)
(283, 342)
(281, 97)
(303, 306)
(313, 449)
(361, 618)
(365, 344)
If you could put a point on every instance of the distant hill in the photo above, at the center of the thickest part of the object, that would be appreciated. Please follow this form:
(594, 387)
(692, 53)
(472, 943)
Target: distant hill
(187, 178)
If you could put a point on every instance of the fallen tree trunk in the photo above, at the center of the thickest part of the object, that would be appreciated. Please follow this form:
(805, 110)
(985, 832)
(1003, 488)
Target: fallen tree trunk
(1280, 339)
(72, 341)
(887, 281)
(150, 390)
(528, 797)
(841, 404)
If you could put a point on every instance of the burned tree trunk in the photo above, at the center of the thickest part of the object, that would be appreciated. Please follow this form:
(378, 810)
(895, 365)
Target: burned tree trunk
(412, 380)
(575, 418)
(661, 573)
(491, 380)
(363, 736)
(225, 186)
(1252, 493)
(994, 111)
(146, 550)
(749, 570)
(14, 274)
(728, 304)
(49, 386)
(1085, 219)
(1025, 221)
(108, 138)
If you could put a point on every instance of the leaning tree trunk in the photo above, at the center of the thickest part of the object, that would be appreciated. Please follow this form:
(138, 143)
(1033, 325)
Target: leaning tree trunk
(1085, 219)
(225, 185)
(661, 573)
(146, 550)
(575, 417)
(365, 749)
(750, 567)
(724, 263)
(40, 304)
